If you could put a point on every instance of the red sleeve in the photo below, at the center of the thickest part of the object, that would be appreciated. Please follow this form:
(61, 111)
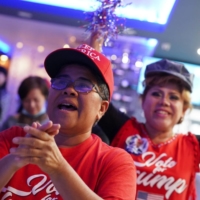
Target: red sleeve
(199, 156)
(118, 177)
(6, 139)
(196, 147)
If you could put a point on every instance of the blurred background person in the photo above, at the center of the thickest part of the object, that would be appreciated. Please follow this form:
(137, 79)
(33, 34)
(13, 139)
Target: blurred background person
(33, 92)
(3, 94)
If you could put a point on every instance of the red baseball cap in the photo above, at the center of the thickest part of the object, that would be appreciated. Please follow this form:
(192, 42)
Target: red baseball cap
(84, 55)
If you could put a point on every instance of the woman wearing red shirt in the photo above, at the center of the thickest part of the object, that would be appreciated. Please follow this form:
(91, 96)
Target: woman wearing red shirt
(166, 162)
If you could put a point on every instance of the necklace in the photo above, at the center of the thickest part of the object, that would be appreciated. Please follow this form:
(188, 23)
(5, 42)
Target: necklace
(162, 143)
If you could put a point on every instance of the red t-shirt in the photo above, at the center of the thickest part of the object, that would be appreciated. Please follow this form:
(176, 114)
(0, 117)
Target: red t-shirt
(99, 165)
(164, 171)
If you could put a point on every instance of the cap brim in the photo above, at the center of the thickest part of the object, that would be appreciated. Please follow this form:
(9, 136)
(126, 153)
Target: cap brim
(62, 57)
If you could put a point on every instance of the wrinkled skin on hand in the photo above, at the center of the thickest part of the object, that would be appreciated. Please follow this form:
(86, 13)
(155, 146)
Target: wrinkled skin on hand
(38, 147)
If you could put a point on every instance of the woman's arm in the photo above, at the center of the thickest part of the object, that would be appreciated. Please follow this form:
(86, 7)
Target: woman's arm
(7, 169)
(8, 163)
(112, 121)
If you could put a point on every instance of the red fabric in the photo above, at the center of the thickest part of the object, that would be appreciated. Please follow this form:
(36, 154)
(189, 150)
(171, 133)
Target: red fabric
(99, 165)
(164, 171)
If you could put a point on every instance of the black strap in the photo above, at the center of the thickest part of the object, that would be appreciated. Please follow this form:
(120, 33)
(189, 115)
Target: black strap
(112, 121)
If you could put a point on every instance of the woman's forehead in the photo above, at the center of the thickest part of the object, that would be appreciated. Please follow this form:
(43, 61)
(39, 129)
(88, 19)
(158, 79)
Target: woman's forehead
(167, 87)
(75, 71)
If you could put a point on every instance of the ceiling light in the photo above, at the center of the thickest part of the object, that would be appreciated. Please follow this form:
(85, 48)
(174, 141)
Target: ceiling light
(116, 96)
(3, 58)
(40, 49)
(66, 46)
(113, 57)
(139, 64)
(122, 109)
(166, 46)
(198, 51)
(142, 10)
(125, 59)
(19, 45)
(152, 42)
(124, 83)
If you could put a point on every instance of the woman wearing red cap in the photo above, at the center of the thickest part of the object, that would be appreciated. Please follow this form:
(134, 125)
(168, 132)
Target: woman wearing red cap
(166, 162)
(62, 159)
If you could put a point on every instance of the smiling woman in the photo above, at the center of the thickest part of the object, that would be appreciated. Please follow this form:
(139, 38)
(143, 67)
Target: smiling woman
(158, 153)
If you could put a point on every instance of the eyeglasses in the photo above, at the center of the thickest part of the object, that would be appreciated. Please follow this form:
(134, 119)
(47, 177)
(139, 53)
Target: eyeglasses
(80, 85)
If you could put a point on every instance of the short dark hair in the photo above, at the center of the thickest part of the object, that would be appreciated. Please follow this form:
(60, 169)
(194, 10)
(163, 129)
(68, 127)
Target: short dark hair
(30, 83)
(103, 88)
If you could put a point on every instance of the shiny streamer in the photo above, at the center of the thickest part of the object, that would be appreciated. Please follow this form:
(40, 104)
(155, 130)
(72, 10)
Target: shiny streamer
(104, 19)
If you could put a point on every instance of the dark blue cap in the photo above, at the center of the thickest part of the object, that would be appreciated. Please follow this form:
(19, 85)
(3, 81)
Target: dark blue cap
(173, 68)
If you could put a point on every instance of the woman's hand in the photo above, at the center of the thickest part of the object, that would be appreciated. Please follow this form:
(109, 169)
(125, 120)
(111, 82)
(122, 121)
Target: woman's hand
(49, 127)
(39, 147)
(96, 40)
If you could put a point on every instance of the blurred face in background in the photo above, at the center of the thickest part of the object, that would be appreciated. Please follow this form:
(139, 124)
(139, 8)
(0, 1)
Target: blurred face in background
(2, 78)
(34, 102)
